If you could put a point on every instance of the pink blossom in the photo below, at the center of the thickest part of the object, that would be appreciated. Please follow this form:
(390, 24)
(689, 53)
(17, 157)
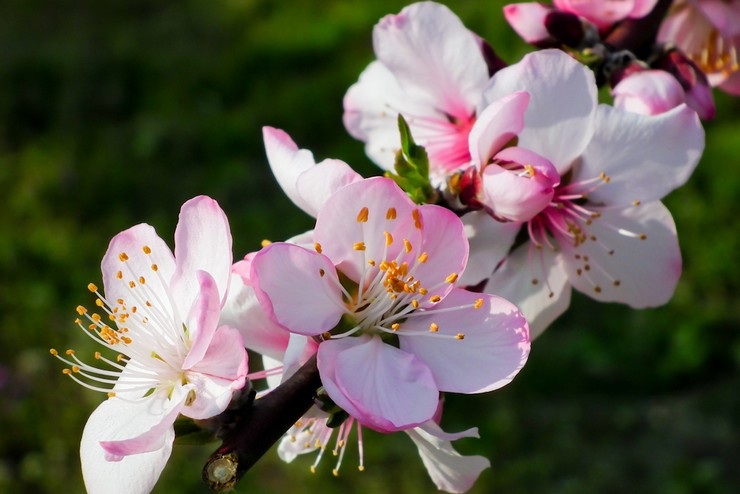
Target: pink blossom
(384, 270)
(528, 20)
(708, 32)
(430, 69)
(174, 358)
(604, 13)
(648, 92)
(603, 230)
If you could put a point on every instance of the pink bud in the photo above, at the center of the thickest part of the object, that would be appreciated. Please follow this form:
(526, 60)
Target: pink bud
(648, 92)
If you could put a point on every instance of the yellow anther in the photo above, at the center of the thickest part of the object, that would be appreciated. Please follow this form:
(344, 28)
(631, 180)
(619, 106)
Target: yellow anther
(69, 352)
(78, 321)
(322, 272)
(362, 215)
(155, 267)
(99, 302)
(119, 275)
(265, 242)
(530, 170)
(97, 355)
(95, 317)
(433, 328)
(597, 289)
(390, 214)
(142, 280)
(423, 257)
(75, 368)
(131, 284)
(435, 299)
(359, 246)
(417, 218)
(53, 352)
(81, 310)
(317, 247)
(459, 336)
(388, 238)
(451, 278)
(384, 266)
(407, 245)
(415, 304)
(478, 303)
(423, 291)
(326, 335)
(119, 357)
(371, 262)
(361, 468)
(635, 203)
(307, 445)
(335, 472)
(92, 287)
(395, 326)
(602, 176)
(66, 371)
(111, 394)
(146, 250)
(126, 340)
(312, 469)
(643, 236)
(123, 257)
(134, 309)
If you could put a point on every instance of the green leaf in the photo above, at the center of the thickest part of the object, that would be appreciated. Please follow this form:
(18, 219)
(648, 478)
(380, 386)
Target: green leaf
(412, 167)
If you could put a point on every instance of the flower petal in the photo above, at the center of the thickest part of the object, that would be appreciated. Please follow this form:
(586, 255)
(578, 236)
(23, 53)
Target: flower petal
(433, 57)
(297, 288)
(341, 226)
(528, 20)
(449, 470)
(644, 157)
(490, 241)
(287, 163)
(497, 124)
(558, 122)
(649, 92)
(203, 318)
(318, 183)
(640, 273)
(130, 243)
(383, 387)
(495, 345)
(541, 302)
(133, 474)
(222, 370)
(202, 242)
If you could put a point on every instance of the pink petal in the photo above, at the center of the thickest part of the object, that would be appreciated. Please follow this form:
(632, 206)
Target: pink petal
(133, 474)
(297, 288)
(602, 13)
(649, 92)
(558, 123)
(383, 387)
(541, 302)
(528, 20)
(202, 242)
(516, 195)
(490, 241)
(495, 345)
(222, 370)
(497, 124)
(203, 319)
(433, 57)
(640, 273)
(449, 470)
(287, 163)
(642, 8)
(243, 312)
(645, 157)
(319, 182)
(131, 243)
(338, 230)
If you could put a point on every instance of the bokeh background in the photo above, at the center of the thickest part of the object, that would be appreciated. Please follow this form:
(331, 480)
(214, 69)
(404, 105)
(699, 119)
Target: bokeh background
(114, 113)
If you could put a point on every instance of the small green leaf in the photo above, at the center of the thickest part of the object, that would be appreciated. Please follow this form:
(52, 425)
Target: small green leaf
(412, 167)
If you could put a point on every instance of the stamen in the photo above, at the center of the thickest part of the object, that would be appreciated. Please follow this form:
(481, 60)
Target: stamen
(317, 247)
(359, 246)
(390, 214)
(265, 242)
(363, 215)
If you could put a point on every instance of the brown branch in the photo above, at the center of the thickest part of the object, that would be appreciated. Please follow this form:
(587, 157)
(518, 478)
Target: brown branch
(260, 426)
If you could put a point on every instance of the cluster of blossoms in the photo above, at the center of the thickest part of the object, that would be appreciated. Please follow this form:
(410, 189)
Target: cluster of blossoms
(523, 187)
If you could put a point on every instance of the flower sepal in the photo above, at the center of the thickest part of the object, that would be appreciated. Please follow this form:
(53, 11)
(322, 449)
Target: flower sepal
(412, 168)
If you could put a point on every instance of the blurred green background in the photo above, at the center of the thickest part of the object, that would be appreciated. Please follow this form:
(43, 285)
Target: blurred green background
(114, 113)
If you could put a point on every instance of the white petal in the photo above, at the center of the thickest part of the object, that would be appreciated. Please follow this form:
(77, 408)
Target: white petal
(541, 303)
(645, 157)
(558, 122)
(287, 163)
(490, 241)
(319, 182)
(640, 273)
(449, 470)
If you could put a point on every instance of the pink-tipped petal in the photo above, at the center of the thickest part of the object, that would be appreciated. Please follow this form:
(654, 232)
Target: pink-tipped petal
(528, 20)
(497, 124)
(639, 272)
(558, 123)
(202, 242)
(203, 319)
(133, 474)
(287, 163)
(542, 301)
(602, 13)
(383, 387)
(129, 245)
(319, 182)
(490, 241)
(494, 347)
(644, 157)
(297, 288)
(222, 370)
(449, 470)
